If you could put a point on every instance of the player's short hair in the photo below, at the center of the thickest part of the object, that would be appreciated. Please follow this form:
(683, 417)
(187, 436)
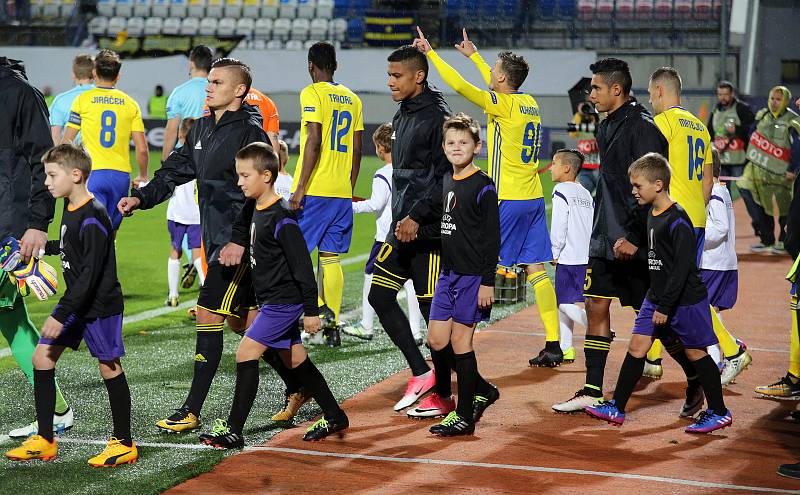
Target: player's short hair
(383, 136)
(186, 126)
(283, 153)
(571, 157)
(716, 162)
(411, 56)
(107, 65)
(323, 55)
(668, 76)
(726, 85)
(462, 122)
(652, 167)
(70, 156)
(515, 68)
(614, 71)
(82, 66)
(201, 57)
(245, 76)
(263, 158)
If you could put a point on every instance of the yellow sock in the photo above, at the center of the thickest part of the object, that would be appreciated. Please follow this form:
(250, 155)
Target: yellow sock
(794, 343)
(655, 350)
(332, 282)
(546, 303)
(726, 341)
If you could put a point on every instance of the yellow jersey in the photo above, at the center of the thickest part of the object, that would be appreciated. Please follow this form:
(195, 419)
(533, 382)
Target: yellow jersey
(513, 131)
(106, 118)
(338, 110)
(689, 151)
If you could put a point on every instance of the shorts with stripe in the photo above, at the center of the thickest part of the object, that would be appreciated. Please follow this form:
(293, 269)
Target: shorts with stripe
(524, 238)
(227, 290)
(418, 261)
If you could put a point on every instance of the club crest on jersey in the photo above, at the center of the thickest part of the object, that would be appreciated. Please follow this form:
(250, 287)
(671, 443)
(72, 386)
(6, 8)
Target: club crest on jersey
(450, 205)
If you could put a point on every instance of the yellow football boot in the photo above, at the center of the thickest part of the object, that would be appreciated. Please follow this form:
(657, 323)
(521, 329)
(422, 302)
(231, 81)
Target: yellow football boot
(115, 454)
(35, 447)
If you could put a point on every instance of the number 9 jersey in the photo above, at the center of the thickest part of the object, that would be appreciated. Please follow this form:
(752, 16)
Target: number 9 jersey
(338, 110)
(106, 118)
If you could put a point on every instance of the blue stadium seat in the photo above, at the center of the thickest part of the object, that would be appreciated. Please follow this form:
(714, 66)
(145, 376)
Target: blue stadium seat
(355, 31)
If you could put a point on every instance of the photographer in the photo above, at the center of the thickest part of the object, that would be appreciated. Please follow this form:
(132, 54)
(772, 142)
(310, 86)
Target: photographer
(583, 128)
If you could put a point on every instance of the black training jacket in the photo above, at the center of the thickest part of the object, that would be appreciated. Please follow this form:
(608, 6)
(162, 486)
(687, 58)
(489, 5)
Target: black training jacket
(623, 136)
(418, 161)
(209, 156)
(24, 137)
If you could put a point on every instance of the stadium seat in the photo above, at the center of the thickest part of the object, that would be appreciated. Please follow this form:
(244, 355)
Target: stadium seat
(251, 8)
(123, 8)
(116, 25)
(624, 9)
(663, 9)
(300, 28)
(587, 9)
(105, 8)
(36, 8)
(270, 9)
(337, 29)
(281, 29)
(354, 31)
(153, 25)
(141, 8)
(214, 8)
(245, 27)
(294, 46)
(319, 29)
(178, 8)
(287, 9)
(208, 26)
(172, 25)
(306, 8)
(135, 27)
(189, 26)
(159, 8)
(98, 25)
(262, 28)
(196, 8)
(308, 44)
(275, 45)
(233, 8)
(683, 9)
(325, 9)
(703, 8)
(605, 8)
(258, 44)
(67, 6)
(644, 9)
(52, 8)
(226, 26)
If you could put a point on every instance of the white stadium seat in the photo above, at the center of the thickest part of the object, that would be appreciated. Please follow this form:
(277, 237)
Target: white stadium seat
(190, 26)
(288, 9)
(258, 44)
(67, 6)
(233, 8)
(245, 27)
(36, 8)
(123, 8)
(51, 8)
(251, 8)
(337, 29)
(178, 8)
(262, 28)
(325, 9)
(208, 26)
(270, 8)
(153, 25)
(214, 8)
(196, 8)
(308, 44)
(116, 25)
(135, 27)
(306, 8)
(281, 29)
(141, 8)
(98, 25)
(105, 8)
(159, 8)
(275, 45)
(294, 45)
(300, 29)
(172, 25)
(319, 29)
(226, 26)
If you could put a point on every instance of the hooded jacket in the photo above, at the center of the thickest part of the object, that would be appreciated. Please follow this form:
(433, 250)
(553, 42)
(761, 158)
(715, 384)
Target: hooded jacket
(623, 136)
(209, 156)
(25, 202)
(418, 161)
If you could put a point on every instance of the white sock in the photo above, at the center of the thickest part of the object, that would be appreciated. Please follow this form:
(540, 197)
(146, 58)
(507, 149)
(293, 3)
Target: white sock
(198, 265)
(565, 326)
(715, 352)
(173, 276)
(575, 313)
(414, 314)
(367, 313)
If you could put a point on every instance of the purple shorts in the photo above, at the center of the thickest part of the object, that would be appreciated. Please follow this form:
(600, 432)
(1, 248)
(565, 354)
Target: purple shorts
(178, 230)
(103, 336)
(456, 297)
(722, 287)
(373, 255)
(691, 324)
(275, 325)
(570, 280)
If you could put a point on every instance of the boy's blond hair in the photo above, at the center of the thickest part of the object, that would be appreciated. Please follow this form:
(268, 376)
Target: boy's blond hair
(652, 167)
(383, 136)
(283, 153)
(263, 158)
(69, 157)
(463, 122)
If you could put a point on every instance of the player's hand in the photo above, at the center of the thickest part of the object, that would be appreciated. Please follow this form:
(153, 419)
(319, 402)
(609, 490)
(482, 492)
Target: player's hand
(311, 324)
(659, 318)
(422, 43)
(296, 199)
(624, 250)
(127, 205)
(790, 176)
(466, 47)
(32, 244)
(231, 254)
(406, 230)
(485, 296)
(139, 181)
(52, 328)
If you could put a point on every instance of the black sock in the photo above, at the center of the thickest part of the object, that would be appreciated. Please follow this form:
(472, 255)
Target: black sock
(466, 376)
(394, 321)
(629, 374)
(244, 395)
(442, 365)
(291, 382)
(44, 393)
(596, 349)
(675, 349)
(119, 396)
(206, 361)
(482, 387)
(708, 375)
(315, 383)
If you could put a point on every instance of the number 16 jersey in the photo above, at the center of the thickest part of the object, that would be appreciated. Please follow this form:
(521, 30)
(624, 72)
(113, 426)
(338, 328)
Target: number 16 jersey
(106, 118)
(338, 110)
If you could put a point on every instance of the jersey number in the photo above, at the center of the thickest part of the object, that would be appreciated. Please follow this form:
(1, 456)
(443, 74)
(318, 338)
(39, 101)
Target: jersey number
(108, 123)
(531, 142)
(697, 154)
(339, 129)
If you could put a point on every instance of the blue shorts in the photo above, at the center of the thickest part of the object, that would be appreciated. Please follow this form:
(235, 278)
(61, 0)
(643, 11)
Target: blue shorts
(722, 287)
(177, 231)
(691, 324)
(108, 187)
(456, 297)
(276, 326)
(326, 223)
(570, 280)
(103, 336)
(700, 237)
(524, 238)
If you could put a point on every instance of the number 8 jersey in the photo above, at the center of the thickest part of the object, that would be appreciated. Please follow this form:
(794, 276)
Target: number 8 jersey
(338, 110)
(106, 118)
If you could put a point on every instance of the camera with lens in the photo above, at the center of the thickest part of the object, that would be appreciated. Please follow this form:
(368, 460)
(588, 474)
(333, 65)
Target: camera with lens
(589, 119)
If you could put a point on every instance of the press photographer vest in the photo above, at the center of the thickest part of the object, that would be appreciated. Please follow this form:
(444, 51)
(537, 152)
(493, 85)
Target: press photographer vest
(770, 145)
(732, 153)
